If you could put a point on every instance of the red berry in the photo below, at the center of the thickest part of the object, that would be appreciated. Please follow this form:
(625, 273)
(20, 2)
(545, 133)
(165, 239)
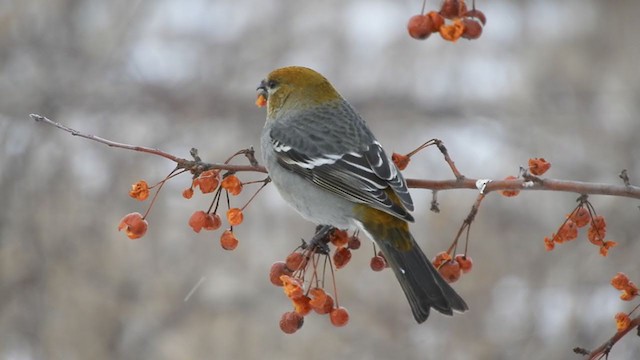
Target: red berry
(341, 257)
(465, 262)
(354, 243)
(450, 271)
(378, 263)
(472, 29)
(476, 14)
(339, 316)
(420, 27)
(290, 322)
(278, 269)
(295, 261)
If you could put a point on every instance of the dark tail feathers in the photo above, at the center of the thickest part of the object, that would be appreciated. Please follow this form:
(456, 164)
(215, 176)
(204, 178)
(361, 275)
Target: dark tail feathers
(420, 281)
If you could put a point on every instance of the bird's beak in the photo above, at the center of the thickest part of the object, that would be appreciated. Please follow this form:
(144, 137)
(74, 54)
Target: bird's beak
(262, 88)
(263, 95)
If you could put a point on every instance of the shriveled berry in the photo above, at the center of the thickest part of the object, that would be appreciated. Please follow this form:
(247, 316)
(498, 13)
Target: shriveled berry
(341, 257)
(290, 322)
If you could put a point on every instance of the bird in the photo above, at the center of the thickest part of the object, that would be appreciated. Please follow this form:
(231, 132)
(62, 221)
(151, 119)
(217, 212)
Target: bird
(327, 164)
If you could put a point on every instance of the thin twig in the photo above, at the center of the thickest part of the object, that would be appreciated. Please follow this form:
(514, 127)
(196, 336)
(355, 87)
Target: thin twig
(606, 347)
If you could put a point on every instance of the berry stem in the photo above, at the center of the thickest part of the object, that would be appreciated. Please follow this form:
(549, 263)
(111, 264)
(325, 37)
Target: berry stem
(155, 196)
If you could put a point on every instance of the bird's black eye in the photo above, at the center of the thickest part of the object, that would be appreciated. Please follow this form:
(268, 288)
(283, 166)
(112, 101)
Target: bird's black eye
(271, 84)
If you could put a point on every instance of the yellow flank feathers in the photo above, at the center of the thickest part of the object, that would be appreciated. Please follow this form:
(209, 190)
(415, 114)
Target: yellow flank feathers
(297, 88)
(384, 227)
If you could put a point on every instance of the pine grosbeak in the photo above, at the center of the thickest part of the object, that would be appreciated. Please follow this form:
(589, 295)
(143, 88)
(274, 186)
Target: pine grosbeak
(327, 165)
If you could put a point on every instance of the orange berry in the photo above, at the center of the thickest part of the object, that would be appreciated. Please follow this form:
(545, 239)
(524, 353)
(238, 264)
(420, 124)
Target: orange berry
(212, 222)
(377, 263)
(620, 281)
(261, 101)
(328, 305)
(228, 240)
(622, 321)
(187, 193)
(472, 29)
(232, 184)
(339, 316)
(290, 322)
(235, 216)
(301, 305)
(538, 166)
(401, 161)
(354, 243)
(320, 302)
(548, 243)
(139, 190)
(465, 262)
(568, 231)
(292, 287)
(420, 27)
(510, 193)
(580, 217)
(597, 231)
(198, 220)
(134, 225)
(604, 249)
(450, 271)
(441, 258)
(629, 292)
(278, 269)
(339, 237)
(207, 181)
(296, 261)
(341, 257)
(476, 14)
(437, 20)
(452, 32)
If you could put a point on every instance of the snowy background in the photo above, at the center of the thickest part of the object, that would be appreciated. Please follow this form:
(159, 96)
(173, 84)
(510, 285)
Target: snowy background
(553, 79)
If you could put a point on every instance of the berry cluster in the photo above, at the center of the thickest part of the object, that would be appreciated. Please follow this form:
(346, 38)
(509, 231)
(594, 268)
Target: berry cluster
(207, 181)
(310, 295)
(629, 292)
(450, 268)
(584, 214)
(453, 21)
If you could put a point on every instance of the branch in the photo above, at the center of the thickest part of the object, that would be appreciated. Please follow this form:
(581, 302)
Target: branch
(604, 349)
(579, 187)
(195, 166)
(528, 183)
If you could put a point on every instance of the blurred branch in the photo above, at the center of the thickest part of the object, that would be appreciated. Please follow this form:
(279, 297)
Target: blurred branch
(604, 349)
(528, 182)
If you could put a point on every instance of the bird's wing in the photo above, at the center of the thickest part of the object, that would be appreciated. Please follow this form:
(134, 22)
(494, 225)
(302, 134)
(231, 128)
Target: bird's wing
(362, 174)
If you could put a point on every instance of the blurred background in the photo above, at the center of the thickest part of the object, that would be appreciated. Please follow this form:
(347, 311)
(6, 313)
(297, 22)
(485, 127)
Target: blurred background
(553, 79)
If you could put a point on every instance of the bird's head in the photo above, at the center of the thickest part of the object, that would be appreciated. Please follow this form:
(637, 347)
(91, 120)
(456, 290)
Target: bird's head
(295, 88)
